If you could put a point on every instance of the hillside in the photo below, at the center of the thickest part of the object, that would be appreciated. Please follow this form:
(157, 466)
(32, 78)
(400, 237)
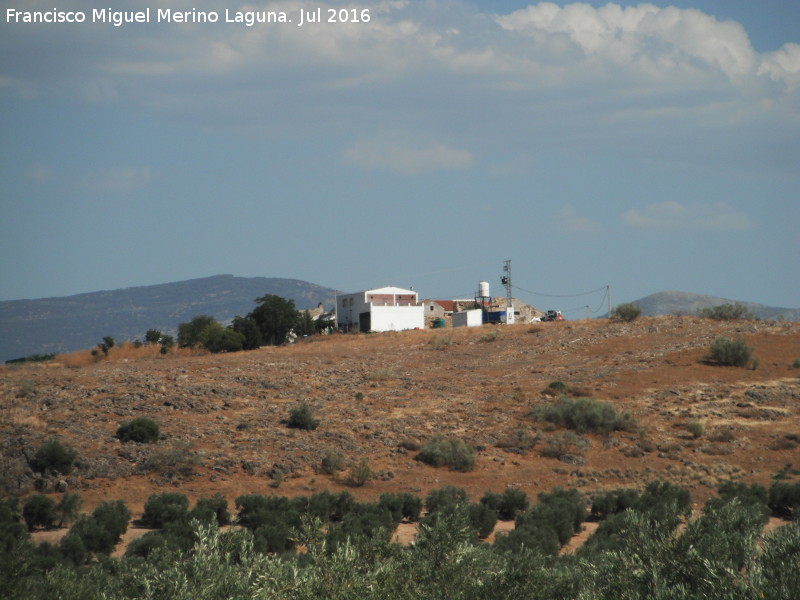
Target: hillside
(380, 396)
(686, 303)
(51, 325)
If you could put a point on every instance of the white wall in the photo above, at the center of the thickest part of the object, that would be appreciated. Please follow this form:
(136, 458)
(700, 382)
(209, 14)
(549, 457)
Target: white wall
(348, 307)
(468, 318)
(395, 318)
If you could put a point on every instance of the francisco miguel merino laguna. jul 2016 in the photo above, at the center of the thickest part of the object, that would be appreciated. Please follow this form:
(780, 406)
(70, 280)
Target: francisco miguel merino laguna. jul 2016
(119, 18)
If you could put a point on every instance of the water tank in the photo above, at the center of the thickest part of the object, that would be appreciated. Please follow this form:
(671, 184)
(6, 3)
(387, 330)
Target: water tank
(483, 289)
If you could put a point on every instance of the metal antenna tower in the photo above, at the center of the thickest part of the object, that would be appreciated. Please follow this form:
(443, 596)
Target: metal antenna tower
(506, 281)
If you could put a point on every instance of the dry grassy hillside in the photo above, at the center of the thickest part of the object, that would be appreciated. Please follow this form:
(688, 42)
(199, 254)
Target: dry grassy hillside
(379, 396)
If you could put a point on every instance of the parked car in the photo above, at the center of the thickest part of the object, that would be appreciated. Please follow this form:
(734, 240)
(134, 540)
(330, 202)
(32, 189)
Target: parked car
(553, 315)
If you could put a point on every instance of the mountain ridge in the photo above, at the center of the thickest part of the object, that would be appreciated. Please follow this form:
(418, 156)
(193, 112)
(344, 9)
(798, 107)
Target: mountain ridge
(68, 323)
(688, 303)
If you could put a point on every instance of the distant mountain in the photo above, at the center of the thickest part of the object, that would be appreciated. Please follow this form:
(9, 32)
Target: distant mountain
(685, 303)
(51, 325)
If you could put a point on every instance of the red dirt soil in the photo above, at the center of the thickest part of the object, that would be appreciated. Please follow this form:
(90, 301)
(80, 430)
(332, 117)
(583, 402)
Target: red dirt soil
(222, 417)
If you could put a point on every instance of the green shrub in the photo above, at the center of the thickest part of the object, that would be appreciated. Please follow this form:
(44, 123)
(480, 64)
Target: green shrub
(557, 386)
(726, 312)
(482, 518)
(518, 442)
(360, 473)
(753, 496)
(402, 506)
(97, 533)
(167, 507)
(214, 509)
(583, 415)
(365, 522)
(39, 511)
(215, 338)
(627, 312)
(445, 497)
(450, 452)
(177, 459)
(695, 429)
(332, 462)
(302, 417)
(784, 499)
(611, 503)
(564, 444)
(548, 525)
(140, 429)
(796, 363)
(67, 508)
(731, 353)
(507, 504)
(53, 456)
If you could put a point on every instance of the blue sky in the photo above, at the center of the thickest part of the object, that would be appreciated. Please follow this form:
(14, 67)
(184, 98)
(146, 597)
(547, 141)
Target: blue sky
(648, 147)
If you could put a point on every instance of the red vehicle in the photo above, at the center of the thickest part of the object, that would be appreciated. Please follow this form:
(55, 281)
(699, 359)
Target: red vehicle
(553, 315)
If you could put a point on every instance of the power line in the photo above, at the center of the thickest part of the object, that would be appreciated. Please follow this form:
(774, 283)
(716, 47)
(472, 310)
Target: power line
(561, 295)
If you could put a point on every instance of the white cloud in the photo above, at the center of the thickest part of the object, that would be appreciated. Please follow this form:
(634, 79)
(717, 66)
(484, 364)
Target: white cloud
(541, 78)
(403, 158)
(644, 36)
(783, 65)
(677, 216)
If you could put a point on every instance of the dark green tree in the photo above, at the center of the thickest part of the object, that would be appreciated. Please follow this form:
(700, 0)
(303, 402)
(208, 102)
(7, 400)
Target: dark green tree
(167, 342)
(52, 455)
(39, 511)
(247, 327)
(215, 338)
(67, 508)
(189, 333)
(152, 336)
(140, 429)
(275, 317)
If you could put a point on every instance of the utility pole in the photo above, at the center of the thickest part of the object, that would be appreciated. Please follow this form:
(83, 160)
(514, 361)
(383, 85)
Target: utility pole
(506, 281)
(608, 294)
(587, 312)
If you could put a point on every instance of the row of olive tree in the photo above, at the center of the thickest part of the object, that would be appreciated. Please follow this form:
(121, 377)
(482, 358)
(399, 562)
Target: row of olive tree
(269, 323)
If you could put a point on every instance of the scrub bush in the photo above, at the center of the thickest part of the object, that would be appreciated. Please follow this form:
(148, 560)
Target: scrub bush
(402, 506)
(725, 312)
(164, 508)
(583, 415)
(302, 417)
(39, 511)
(140, 429)
(731, 353)
(627, 312)
(507, 504)
(53, 456)
(332, 462)
(214, 509)
(450, 452)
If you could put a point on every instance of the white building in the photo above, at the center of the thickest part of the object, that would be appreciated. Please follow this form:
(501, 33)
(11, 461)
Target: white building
(468, 318)
(382, 309)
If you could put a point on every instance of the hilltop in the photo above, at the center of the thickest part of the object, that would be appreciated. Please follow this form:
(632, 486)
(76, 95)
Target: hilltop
(687, 303)
(381, 396)
(57, 325)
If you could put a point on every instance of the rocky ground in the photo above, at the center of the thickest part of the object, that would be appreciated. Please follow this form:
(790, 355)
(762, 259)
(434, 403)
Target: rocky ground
(381, 396)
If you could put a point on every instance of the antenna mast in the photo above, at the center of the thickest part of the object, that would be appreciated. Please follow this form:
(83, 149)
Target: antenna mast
(506, 281)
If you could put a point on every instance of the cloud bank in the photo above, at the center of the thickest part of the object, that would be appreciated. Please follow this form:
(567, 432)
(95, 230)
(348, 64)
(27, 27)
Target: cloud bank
(542, 78)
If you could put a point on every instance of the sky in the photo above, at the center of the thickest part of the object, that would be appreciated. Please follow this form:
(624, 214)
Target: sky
(645, 147)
